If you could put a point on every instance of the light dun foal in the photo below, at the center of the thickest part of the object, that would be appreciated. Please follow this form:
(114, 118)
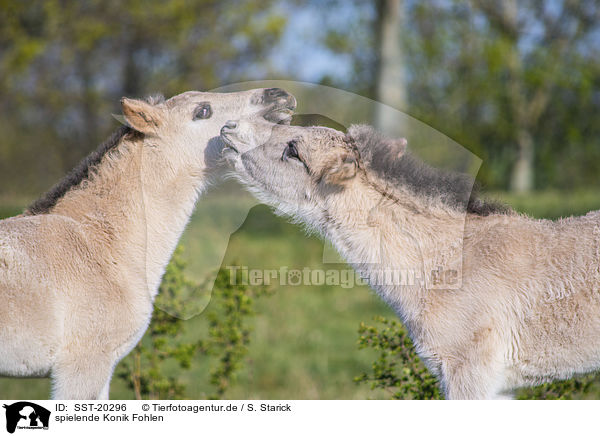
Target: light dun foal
(79, 270)
(527, 306)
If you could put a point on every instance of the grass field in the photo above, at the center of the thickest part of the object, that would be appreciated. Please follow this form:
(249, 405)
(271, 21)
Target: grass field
(304, 340)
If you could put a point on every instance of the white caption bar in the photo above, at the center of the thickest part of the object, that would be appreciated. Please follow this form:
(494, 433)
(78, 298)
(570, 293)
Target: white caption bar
(299, 417)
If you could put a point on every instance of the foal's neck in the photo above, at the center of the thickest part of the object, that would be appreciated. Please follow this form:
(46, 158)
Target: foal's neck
(398, 244)
(135, 206)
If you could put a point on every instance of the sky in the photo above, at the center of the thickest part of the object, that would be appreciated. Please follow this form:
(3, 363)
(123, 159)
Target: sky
(305, 56)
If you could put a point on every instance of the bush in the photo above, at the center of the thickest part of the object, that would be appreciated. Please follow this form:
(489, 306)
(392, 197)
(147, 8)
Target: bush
(154, 369)
(571, 389)
(398, 370)
(228, 332)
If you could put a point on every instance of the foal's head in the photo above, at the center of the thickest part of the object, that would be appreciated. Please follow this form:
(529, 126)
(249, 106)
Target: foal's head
(299, 169)
(186, 127)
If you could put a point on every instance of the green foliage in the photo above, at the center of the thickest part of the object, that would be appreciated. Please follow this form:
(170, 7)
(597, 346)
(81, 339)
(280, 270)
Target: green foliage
(64, 65)
(398, 370)
(228, 333)
(154, 369)
(561, 390)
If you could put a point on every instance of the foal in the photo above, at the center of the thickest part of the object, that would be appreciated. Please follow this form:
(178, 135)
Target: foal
(79, 270)
(502, 300)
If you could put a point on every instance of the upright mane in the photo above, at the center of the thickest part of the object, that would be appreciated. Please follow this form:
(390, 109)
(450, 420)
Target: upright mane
(395, 165)
(78, 174)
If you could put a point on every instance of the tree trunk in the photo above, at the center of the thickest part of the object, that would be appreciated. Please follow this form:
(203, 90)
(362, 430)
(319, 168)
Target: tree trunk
(523, 173)
(390, 72)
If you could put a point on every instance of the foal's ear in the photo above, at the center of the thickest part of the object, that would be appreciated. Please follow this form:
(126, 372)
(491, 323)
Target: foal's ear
(140, 115)
(374, 146)
(342, 170)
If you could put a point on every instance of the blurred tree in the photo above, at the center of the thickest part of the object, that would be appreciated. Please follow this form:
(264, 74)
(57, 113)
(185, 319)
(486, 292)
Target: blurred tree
(353, 35)
(64, 64)
(533, 41)
(515, 82)
(390, 63)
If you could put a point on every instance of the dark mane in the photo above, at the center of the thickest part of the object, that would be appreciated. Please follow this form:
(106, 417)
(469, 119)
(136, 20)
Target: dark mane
(400, 168)
(78, 174)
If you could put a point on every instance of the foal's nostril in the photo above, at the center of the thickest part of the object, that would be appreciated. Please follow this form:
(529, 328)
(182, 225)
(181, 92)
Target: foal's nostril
(229, 128)
(273, 95)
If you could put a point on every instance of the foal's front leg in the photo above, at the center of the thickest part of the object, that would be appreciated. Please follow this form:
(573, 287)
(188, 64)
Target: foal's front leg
(82, 378)
(469, 382)
(473, 376)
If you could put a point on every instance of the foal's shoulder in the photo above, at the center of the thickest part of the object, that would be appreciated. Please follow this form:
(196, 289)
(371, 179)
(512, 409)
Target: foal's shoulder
(35, 227)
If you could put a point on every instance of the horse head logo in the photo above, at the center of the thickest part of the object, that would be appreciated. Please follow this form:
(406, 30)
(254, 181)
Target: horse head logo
(29, 414)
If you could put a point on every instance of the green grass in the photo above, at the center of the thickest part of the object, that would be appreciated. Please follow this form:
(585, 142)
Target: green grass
(304, 342)
(551, 204)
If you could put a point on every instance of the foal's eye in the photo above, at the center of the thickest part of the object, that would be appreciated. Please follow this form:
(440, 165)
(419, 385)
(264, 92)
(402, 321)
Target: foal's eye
(202, 112)
(290, 151)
